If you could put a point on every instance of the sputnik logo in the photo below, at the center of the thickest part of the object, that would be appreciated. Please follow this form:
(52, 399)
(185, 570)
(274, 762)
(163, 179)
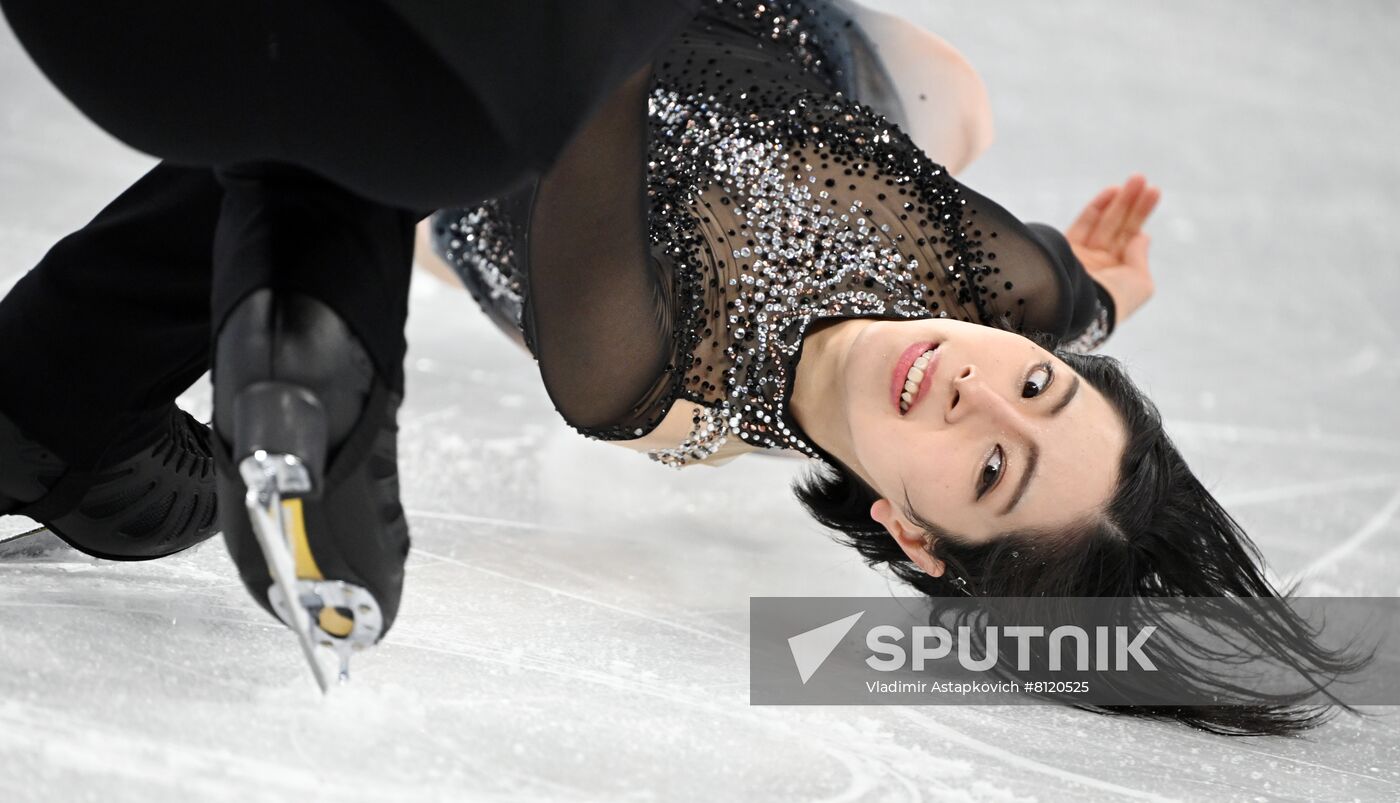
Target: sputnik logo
(811, 649)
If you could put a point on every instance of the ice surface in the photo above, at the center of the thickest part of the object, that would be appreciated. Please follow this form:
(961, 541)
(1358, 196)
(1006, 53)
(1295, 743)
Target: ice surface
(566, 637)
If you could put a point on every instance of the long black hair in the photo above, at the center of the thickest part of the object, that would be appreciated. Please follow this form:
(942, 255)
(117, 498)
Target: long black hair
(1161, 534)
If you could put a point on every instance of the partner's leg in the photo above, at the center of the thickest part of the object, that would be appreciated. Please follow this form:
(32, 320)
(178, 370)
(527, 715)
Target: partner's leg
(308, 368)
(340, 91)
(102, 335)
(302, 112)
(98, 340)
(285, 229)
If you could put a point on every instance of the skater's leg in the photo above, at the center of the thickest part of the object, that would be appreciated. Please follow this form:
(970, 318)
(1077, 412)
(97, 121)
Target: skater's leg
(101, 336)
(311, 298)
(95, 343)
(416, 105)
(343, 89)
(309, 286)
(285, 229)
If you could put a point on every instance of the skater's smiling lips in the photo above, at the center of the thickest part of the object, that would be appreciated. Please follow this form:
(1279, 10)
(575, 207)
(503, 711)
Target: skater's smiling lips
(914, 369)
(1001, 435)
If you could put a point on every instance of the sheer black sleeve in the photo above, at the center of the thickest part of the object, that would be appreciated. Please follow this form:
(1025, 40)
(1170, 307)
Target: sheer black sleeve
(1027, 274)
(1092, 313)
(597, 312)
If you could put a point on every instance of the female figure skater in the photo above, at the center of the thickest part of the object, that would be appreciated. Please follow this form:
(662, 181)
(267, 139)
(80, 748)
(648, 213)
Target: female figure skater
(735, 254)
(804, 278)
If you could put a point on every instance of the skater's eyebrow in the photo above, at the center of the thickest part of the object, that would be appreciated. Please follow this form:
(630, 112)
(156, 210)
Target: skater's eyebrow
(1068, 397)
(1032, 460)
(1033, 453)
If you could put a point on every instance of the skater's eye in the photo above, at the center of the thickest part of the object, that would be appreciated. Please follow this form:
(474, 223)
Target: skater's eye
(1038, 380)
(992, 470)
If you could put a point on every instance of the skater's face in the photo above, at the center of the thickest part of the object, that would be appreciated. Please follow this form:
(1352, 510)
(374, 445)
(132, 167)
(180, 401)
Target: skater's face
(1000, 436)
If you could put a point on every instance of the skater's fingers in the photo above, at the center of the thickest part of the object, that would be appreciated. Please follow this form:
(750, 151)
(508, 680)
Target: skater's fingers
(1079, 230)
(1141, 210)
(1105, 232)
(1132, 223)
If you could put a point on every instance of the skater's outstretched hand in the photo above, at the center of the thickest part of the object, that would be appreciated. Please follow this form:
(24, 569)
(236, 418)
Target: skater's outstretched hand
(1109, 241)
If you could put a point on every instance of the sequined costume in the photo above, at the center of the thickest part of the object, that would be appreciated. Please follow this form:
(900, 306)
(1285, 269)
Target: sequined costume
(773, 201)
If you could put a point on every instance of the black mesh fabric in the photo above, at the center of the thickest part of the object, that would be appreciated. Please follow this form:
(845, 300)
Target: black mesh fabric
(700, 224)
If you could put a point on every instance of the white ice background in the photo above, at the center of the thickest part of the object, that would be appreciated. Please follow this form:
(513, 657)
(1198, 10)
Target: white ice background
(575, 620)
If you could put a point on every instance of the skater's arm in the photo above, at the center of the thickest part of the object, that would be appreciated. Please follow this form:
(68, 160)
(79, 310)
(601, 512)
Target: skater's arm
(939, 98)
(596, 308)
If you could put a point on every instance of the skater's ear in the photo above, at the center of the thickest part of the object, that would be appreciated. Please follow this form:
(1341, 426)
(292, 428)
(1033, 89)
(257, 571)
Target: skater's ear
(915, 543)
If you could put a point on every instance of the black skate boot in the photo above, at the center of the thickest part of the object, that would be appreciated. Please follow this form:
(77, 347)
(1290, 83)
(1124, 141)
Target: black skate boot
(308, 474)
(154, 503)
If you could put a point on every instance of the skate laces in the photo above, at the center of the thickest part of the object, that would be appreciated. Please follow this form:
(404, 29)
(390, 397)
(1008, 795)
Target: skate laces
(186, 442)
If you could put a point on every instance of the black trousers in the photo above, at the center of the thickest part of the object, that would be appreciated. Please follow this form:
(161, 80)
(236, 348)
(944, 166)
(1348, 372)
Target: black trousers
(302, 142)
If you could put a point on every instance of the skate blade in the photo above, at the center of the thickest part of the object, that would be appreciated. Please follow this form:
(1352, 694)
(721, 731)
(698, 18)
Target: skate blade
(40, 545)
(330, 618)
